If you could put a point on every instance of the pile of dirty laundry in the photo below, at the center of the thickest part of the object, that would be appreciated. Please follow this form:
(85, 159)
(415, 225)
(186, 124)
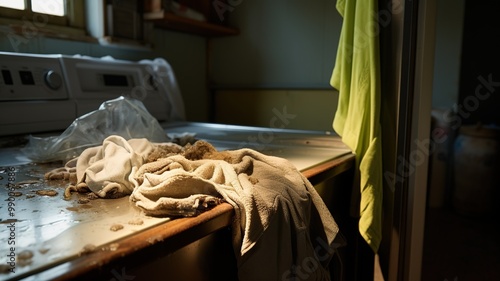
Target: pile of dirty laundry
(281, 225)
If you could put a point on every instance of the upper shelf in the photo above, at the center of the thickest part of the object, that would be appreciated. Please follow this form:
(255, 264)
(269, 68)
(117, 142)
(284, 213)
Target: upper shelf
(174, 22)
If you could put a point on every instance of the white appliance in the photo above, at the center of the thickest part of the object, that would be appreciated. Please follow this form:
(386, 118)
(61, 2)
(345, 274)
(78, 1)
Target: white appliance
(40, 93)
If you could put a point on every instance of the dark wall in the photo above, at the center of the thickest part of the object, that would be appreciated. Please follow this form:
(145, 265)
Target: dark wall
(479, 99)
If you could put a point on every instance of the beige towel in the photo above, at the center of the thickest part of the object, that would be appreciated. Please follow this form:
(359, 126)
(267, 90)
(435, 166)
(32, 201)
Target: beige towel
(281, 224)
(282, 228)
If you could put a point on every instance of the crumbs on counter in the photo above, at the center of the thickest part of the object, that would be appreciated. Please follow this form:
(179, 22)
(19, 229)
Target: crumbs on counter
(46, 192)
(67, 192)
(83, 201)
(43, 251)
(92, 196)
(4, 268)
(136, 221)
(25, 254)
(24, 257)
(116, 227)
(87, 249)
(114, 246)
(111, 247)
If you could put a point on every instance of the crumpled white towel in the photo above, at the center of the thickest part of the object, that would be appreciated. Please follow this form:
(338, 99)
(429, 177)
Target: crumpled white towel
(107, 170)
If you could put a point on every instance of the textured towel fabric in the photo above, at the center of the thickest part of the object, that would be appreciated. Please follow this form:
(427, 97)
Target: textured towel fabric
(281, 224)
(356, 77)
(108, 170)
(282, 229)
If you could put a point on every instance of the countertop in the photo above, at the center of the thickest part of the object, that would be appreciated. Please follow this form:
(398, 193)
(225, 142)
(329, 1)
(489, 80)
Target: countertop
(56, 238)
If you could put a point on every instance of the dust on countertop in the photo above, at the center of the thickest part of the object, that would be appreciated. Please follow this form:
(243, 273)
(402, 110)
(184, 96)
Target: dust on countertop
(46, 192)
(116, 227)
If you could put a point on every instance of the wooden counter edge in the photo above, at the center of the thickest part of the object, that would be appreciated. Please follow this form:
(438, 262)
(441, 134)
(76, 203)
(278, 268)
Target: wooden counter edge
(330, 168)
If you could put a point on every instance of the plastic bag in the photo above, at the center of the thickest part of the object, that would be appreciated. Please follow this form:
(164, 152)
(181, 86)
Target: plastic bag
(168, 84)
(122, 116)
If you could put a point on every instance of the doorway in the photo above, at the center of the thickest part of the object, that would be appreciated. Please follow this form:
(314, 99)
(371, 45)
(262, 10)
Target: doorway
(459, 243)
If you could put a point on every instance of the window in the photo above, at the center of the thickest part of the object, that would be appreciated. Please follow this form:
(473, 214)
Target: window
(47, 11)
(93, 21)
(50, 7)
(51, 17)
(14, 4)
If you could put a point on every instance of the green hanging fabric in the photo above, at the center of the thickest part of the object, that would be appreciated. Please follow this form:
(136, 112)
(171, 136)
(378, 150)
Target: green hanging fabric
(357, 78)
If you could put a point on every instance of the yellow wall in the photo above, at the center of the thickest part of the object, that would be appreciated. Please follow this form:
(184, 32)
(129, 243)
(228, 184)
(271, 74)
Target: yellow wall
(294, 109)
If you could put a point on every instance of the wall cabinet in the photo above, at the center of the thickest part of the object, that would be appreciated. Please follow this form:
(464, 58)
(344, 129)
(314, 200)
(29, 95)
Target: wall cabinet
(204, 18)
(174, 22)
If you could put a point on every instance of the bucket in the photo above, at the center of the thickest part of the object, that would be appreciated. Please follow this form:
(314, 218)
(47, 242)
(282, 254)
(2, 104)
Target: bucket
(476, 171)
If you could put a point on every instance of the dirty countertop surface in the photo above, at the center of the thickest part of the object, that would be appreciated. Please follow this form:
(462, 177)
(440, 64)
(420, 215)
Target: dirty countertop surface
(40, 228)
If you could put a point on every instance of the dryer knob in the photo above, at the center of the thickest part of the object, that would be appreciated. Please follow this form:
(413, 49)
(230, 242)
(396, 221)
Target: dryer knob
(53, 79)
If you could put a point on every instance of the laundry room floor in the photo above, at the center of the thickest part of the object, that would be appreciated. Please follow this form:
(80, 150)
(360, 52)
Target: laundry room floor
(459, 248)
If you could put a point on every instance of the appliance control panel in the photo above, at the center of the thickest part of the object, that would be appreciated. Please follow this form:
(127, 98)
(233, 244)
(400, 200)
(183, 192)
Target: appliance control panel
(41, 92)
(91, 81)
(31, 78)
